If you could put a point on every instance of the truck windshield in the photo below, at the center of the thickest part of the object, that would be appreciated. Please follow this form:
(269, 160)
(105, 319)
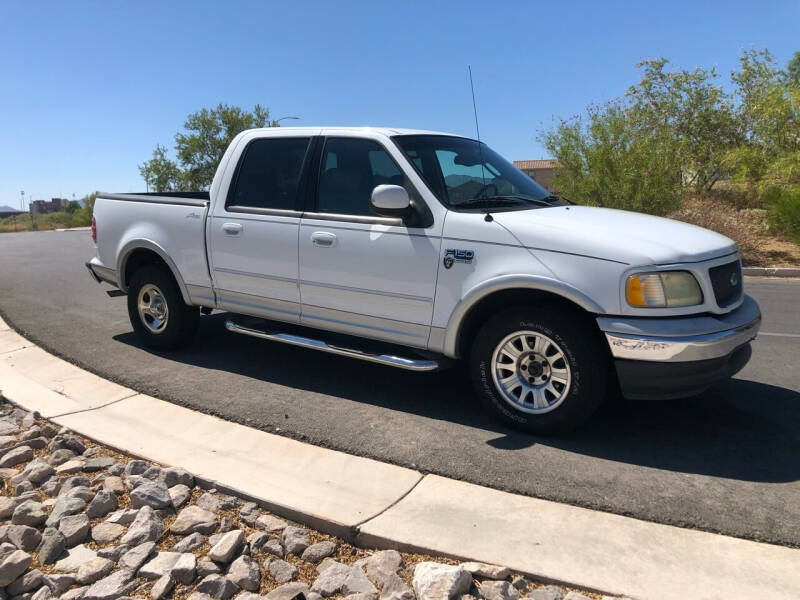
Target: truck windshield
(465, 175)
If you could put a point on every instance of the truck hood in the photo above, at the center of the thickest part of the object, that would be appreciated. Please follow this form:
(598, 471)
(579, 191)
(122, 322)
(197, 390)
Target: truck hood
(618, 235)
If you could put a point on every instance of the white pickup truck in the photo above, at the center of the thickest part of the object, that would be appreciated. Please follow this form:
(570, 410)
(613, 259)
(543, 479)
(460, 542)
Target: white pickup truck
(413, 249)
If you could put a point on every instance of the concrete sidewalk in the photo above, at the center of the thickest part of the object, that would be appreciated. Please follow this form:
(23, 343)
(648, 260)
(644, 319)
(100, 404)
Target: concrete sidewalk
(388, 506)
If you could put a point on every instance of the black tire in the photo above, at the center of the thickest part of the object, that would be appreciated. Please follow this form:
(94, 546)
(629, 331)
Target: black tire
(182, 321)
(588, 364)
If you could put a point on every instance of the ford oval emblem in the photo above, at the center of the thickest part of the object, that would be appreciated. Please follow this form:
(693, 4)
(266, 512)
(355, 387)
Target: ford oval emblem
(734, 279)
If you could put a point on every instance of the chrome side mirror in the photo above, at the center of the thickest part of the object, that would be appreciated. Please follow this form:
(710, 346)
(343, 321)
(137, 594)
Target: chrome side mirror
(391, 201)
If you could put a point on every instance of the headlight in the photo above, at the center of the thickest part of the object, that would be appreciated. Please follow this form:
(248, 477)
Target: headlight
(665, 289)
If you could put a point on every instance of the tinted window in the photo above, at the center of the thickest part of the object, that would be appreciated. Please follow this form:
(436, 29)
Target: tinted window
(351, 169)
(269, 173)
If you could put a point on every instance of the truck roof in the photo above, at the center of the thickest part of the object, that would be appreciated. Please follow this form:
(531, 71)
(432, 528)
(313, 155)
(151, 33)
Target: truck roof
(388, 131)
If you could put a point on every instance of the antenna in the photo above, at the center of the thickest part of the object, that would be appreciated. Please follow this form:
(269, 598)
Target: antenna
(477, 127)
(488, 217)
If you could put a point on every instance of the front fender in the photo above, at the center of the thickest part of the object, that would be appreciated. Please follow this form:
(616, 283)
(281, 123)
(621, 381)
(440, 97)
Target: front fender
(509, 282)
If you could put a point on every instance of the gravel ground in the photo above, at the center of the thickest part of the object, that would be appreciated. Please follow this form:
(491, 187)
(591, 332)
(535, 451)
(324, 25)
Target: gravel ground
(79, 521)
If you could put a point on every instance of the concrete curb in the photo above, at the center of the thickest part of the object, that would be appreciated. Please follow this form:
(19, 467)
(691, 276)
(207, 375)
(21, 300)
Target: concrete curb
(771, 271)
(382, 505)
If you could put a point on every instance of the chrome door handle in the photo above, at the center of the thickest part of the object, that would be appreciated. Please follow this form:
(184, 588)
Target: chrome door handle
(232, 228)
(323, 239)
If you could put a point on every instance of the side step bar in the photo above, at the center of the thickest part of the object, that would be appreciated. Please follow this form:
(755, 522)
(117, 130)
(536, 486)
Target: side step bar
(304, 342)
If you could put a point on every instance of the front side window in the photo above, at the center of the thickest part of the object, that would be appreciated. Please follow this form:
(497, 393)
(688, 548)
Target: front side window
(269, 174)
(465, 174)
(351, 168)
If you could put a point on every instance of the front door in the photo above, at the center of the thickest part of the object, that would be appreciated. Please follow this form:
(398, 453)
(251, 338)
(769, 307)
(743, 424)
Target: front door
(361, 273)
(253, 234)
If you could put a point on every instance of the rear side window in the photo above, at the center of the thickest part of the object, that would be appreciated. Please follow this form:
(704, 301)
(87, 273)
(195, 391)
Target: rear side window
(351, 169)
(269, 174)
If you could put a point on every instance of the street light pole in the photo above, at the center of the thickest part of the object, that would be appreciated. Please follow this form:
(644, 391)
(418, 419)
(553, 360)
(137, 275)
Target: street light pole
(22, 202)
(277, 122)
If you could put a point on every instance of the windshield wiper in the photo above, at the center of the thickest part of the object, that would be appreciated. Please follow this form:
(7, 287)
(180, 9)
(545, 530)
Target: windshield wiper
(546, 201)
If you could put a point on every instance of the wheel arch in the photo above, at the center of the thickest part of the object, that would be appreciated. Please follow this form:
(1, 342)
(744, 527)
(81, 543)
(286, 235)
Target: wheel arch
(486, 299)
(137, 253)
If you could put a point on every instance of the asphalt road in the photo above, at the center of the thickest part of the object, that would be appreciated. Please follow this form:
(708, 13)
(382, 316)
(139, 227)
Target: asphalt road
(727, 461)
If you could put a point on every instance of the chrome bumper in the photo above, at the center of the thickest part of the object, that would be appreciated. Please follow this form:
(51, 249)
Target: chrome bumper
(101, 273)
(670, 340)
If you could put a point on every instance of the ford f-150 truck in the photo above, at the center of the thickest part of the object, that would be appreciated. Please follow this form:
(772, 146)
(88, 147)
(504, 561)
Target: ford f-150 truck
(414, 249)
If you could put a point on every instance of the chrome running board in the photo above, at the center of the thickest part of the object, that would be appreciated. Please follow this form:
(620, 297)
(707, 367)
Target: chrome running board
(409, 364)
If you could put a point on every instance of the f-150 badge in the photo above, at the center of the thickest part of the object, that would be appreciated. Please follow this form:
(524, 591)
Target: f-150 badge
(454, 255)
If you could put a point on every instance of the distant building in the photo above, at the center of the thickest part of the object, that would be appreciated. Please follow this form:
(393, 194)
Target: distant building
(40, 207)
(7, 211)
(541, 171)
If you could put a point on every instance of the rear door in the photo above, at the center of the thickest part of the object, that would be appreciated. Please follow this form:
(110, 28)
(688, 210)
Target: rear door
(361, 273)
(253, 233)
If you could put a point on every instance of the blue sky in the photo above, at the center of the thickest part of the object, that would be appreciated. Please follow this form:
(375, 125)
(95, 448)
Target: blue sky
(87, 89)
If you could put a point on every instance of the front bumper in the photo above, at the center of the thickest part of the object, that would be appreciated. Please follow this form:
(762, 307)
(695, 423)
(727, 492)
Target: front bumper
(678, 357)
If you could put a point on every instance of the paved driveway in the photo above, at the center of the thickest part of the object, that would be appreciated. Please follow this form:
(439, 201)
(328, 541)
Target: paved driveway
(727, 461)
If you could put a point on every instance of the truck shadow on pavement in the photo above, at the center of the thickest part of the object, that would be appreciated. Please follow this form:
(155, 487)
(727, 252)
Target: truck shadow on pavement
(742, 430)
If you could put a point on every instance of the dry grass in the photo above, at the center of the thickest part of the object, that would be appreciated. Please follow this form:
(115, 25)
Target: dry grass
(746, 226)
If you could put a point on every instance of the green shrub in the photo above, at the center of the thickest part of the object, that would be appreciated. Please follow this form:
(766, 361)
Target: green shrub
(784, 212)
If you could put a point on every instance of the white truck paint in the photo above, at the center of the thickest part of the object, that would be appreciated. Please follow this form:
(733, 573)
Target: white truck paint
(429, 273)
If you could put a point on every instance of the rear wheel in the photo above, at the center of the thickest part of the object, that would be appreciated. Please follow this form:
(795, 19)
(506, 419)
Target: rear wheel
(156, 309)
(539, 369)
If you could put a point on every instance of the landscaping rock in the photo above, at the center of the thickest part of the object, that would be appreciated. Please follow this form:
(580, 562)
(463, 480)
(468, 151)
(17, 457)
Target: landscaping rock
(114, 485)
(63, 507)
(434, 581)
(273, 547)
(318, 551)
(225, 549)
(17, 456)
(146, 527)
(153, 473)
(162, 587)
(75, 558)
(102, 504)
(32, 580)
(74, 528)
(194, 519)
(74, 465)
(14, 565)
(208, 501)
(126, 516)
(38, 472)
(282, 571)
(67, 440)
(98, 464)
(136, 467)
(294, 540)
(59, 584)
(270, 523)
(177, 476)
(159, 565)
(379, 566)
(29, 513)
(548, 592)
(24, 537)
(150, 493)
(520, 582)
(74, 482)
(7, 506)
(84, 493)
(137, 556)
(52, 546)
(249, 513)
(113, 552)
(288, 591)
(185, 568)
(207, 567)
(75, 593)
(478, 569)
(245, 573)
(179, 494)
(93, 570)
(189, 543)
(395, 588)
(498, 590)
(256, 540)
(342, 579)
(105, 533)
(113, 587)
(216, 586)
(59, 457)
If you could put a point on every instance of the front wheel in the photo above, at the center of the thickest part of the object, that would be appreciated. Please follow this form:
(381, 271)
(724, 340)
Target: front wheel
(156, 309)
(539, 369)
